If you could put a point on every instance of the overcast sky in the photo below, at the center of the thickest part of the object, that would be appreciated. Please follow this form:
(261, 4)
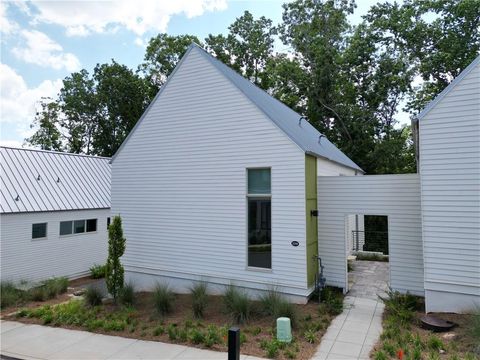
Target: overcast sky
(42, 42)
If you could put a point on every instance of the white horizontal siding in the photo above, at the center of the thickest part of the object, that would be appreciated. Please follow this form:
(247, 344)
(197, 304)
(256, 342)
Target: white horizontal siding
(450, 178)
(329, 168)
(398, 197)
(24, 258)
(179, 184)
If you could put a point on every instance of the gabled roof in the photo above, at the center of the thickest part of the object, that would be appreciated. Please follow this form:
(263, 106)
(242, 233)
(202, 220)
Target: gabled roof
(302, 132)
(449, 88)
(38, 180)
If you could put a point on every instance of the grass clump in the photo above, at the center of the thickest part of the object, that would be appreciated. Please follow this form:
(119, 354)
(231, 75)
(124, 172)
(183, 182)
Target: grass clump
(434, 343)
(93, 296)
(199, 299)
(98, 271)
(126, 295)
(237, 304)
(55, 286)
(274, 304)
(474, 326)
(10, 295)
(310, 336)
(163, 299)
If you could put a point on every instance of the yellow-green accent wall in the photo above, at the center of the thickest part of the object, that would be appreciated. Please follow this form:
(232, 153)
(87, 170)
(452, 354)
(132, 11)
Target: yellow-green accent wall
(311, 221)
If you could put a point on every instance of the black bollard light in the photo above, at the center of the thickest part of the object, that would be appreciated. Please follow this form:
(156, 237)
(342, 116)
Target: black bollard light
(234, 343)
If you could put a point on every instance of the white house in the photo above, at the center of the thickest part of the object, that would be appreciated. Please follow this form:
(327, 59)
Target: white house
(449, 167)
(217, 182)
(54, 212)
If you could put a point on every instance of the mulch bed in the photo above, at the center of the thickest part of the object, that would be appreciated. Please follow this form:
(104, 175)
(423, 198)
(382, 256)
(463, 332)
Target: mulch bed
(148, 320)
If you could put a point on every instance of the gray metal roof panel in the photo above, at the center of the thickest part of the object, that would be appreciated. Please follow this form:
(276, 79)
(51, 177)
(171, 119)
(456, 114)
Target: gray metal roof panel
(302, 133)
(449, 88)
(83, 181)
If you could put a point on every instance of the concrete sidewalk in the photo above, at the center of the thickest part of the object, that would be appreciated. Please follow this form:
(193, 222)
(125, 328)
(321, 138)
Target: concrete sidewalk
(42, 342)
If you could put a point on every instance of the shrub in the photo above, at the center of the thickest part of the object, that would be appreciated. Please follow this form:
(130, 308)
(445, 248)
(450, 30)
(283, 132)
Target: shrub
(380, 355)
(159, 330)
(271, 347)
(163, 299)
(199, 299)
(212, 337)
(116, 247)
(126, 295)
(332, 302)
(371, 257)
(172, 331)
(98, 271)
(37, 293)
(290, 354)
(196, 336)
(400, 306)
(310, 336)
(93, 296)
(237, 304)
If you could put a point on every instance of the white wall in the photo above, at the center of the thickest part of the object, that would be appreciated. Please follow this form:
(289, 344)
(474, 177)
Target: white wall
(398, 197)
(180, 186)
(24, 258)
(450, 178)
(329, 168)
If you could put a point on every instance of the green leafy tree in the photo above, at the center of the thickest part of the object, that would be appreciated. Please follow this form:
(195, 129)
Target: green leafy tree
(121, 97)
(247, 47)
(116, 248)
(79, 105)
(162, 55)
(47, 136)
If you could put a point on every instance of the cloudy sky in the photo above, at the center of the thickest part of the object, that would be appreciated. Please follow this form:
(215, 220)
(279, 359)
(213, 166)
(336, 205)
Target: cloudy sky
(44, 41)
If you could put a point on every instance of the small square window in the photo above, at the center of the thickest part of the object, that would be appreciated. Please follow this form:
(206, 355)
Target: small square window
(91, 225)
(39, 231)
(78, 226)
(66, 227)
(259, 181)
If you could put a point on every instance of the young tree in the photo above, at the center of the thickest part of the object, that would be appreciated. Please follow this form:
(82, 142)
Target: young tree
(116, 248)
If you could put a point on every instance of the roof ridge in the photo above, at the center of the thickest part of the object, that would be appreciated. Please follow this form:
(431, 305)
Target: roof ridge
(54, 152)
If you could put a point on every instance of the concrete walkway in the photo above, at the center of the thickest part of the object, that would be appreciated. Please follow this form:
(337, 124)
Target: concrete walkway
(42, 342)
(352, 334)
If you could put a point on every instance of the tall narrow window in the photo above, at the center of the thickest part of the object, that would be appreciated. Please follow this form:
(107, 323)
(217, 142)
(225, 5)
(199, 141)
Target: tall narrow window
(259, 218)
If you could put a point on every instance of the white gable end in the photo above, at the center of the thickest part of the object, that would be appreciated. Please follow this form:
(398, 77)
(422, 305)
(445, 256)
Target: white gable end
(179, 184)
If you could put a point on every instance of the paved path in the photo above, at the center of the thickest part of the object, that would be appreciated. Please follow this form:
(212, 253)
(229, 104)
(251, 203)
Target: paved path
(42, 342)
(353, 333)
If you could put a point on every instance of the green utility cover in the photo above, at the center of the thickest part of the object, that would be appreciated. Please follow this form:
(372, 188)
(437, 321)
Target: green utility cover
(284, 330)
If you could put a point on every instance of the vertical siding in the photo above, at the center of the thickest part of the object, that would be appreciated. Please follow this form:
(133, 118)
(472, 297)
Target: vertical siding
(180, 185)
(450, 177)
(398, 197)
(24, 258)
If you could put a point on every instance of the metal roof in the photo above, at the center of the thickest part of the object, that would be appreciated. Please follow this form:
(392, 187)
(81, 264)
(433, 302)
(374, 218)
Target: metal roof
(449, 88)
(302, 133)
(39, 180)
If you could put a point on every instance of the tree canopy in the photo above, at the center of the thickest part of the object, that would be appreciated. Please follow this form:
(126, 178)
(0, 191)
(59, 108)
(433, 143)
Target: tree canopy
(350, 81)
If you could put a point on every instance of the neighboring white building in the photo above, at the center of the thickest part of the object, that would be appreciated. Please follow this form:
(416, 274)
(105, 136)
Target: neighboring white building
(54, 211)
(217, 182)
(449, 167)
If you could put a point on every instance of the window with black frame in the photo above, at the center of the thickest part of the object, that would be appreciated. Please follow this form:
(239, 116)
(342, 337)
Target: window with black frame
(259, 218)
